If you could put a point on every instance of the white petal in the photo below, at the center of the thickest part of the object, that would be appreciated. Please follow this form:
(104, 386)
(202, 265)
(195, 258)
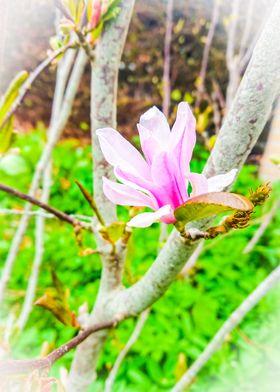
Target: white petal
(199, 184)
(218, 183)
(155, 121)
(147, 218)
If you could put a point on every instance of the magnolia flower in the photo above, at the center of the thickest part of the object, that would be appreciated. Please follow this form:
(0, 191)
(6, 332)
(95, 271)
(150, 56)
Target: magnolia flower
(159, 179)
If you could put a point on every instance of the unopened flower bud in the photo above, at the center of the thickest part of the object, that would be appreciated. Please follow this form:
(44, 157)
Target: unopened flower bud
(96, 13)
(260, 195)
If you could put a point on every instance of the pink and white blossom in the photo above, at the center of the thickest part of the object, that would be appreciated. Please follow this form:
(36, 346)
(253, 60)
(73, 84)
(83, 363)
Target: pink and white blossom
(159, 178)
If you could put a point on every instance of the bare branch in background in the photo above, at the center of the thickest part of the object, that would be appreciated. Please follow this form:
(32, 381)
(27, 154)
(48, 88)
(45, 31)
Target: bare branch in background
(39, 252)
(231, 58)
(166, 59)
(237, 62)
(54, 134)
(63, 71)
(235, 318)
(247, 29)
(133, 338)
(265, 223)
(206, 51)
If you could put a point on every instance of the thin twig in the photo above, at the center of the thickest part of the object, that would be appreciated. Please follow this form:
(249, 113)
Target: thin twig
(206, 51)
(85, 45)
(166, 59)
(32, 77)
(61, 81)
(54, 133)
(265, 223)
(245, 58)
(235, 318)
(39, 252)
(247, 29)
(4, 211)
(134, 336)
(59, 214)
(231, 59)
(23, 366)
(91, 202)
(230, 52)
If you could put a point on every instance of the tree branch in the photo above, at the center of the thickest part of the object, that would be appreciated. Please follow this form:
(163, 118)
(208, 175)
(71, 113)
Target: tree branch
(39, 252)
(24, 366)
(235, 318)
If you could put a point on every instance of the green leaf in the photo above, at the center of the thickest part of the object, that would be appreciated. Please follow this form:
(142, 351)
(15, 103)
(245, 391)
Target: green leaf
(112, 11)
(55, 300)
(7, 137)
(12, 93)
(114, 231)
(210, 204)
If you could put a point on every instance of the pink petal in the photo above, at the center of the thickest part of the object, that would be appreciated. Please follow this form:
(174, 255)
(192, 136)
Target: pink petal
(155, 121)
(126, 195)
(162, 176)
(149, 144)
(137, 183)
(147, 218)
(199, 184)
(119, 152)
(134, 180)
(218, 183)
(183, 136)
